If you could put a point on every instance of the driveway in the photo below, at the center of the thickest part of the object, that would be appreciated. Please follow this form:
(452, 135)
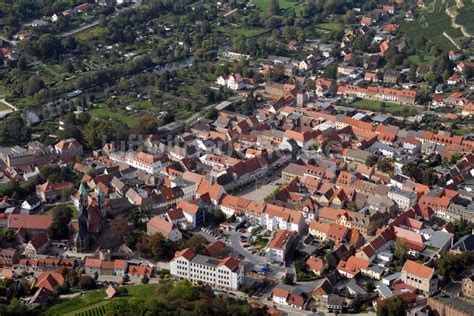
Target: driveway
(235, 243)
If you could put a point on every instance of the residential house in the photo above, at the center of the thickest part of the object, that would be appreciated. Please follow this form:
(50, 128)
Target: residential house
(68, 150)
(159, 225)
(51, 192)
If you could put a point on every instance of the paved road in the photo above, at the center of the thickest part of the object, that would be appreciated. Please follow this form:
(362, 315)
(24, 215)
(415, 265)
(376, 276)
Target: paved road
(237, 246)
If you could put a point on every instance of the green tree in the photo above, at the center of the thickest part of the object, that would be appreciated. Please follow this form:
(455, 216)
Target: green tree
(462, 228)
(331, 259)
(401, 249)
(371, 160)
(385, 165)
(219, 216)
(86, 282)
(330, 71)
(59, 228)
(393, 306)
(33, 85)
(275, 7)
(453, 265)
(48, 46)
(197, 243)
(184, 290)
(17, 308)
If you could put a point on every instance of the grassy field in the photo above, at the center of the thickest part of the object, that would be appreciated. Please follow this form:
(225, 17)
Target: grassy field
(431, 23)
(329, 26)
(264, 5)
(3, 90)
(250, 32)
(115, 115)
(92, 33)
(376, 106)
(93, 303)
(3, 106)
(421, 59)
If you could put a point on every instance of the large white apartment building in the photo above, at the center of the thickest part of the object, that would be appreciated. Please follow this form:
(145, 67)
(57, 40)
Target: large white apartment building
(151, 164)
(226, 273)
(278, 247)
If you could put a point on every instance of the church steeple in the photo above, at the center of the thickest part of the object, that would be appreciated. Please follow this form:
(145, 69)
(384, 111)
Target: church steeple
(82, 237)
(82, 189)
(100, 200)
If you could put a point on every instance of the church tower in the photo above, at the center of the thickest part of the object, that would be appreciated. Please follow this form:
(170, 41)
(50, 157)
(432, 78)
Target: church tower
(82, 236)
(100, 201)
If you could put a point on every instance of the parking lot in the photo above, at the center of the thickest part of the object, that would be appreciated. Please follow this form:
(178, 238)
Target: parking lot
(259, 193)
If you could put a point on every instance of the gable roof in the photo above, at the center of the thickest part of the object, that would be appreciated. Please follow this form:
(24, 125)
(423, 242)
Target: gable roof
(418, 269)
(30, 221)
(49, 280)
(161, 225)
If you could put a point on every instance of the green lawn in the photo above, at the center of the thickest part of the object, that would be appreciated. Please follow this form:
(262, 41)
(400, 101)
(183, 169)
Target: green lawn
(62, 307)
(54, 72)
(115, 115)
(261, 243)
(93, 303)
(3, 106)
(421, 59)
(247, 32)
(330, 26)
(264, 5)
(4, 90)
(376, 106)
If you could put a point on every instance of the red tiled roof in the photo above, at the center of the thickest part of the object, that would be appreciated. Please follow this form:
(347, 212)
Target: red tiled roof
(186, 253)
(159, 224)
(281, 237)
(49, 280)
(280, 292)
(315, 263)
(418, 269)
(30, 221)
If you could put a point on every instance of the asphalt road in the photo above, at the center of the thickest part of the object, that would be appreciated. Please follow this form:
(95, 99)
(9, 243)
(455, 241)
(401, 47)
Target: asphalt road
(237, 246)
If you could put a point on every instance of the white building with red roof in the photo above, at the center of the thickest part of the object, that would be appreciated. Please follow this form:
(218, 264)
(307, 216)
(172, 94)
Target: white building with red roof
(149, 163)
(279, 245)
(68, 149)
(226, 273)
(419, 276)
(232, 81)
